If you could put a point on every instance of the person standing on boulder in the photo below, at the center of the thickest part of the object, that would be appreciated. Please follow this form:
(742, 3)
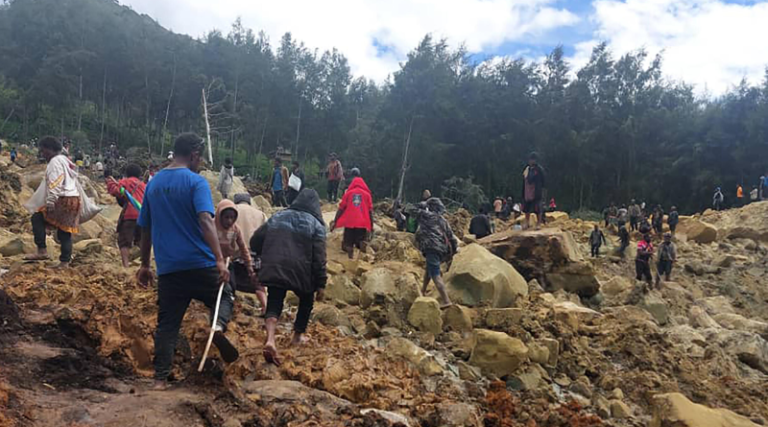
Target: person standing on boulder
(717, 199)
(623, 238)
(657, 220)
(335, 175)
(643, 259)
(128, 233)
(667, 258)
(534, 181)
(293, 258)
(279, 184)
(673, 220)
(295, 182)
(739, 196)
(177, 219)
(596, 240)
(226, 178)
(61, 207)
(437, 243)
(481, 225)
(355, 215)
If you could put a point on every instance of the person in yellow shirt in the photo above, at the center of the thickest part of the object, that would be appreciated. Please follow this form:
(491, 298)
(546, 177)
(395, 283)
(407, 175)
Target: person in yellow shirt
(739, 195)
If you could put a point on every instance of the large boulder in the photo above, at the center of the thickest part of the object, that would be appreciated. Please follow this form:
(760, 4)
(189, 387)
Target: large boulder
(477, 277)
(675, 410)
(340, 288)
(747, 347)
(382, 284)
(550, 256)
(457, 318)
(387, 295)
(497, 353)
(697, 230)
(425, 362)
(425, 315)
(737, 322)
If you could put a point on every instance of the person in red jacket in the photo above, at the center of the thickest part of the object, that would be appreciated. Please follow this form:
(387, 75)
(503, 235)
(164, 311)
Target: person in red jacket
(128, 234)
(355, 214)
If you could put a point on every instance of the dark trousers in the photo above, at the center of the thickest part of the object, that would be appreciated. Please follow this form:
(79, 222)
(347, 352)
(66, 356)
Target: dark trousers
(333, 190)
(279, 198)
(643, 270)
(623, 248)
(174, 293)
(65, 239)
(633, 220)
(292, 195)
(275, 300)
(596, 250)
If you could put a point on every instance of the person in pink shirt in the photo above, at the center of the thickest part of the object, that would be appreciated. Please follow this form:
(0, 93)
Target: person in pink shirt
(643, 259)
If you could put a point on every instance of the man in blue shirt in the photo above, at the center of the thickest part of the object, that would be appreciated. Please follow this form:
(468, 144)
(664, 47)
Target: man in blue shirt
(177, 215)
(279, 184)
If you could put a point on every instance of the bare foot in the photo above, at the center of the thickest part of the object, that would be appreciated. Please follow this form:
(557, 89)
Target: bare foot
(299, 339)
(446, 305)
(270, 354)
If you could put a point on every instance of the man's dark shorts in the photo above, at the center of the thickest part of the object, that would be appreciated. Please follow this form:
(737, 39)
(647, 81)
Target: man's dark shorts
(665, 267)
(533, 206)
(128, 234)
(354, 237)
(433, 264)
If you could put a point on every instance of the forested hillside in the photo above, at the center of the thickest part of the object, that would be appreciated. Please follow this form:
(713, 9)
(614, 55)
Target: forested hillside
(99, 72)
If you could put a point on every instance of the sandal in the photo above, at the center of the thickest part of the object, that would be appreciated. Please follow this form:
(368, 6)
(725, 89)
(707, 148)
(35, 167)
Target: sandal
(270, 355)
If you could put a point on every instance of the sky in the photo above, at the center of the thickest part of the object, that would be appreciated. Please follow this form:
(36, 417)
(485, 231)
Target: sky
(712, 44)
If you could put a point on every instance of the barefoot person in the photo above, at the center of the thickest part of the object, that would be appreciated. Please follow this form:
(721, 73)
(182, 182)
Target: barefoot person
(177, 218)
(128, 233)
(62, 202)
(437, 243)
(292, 249)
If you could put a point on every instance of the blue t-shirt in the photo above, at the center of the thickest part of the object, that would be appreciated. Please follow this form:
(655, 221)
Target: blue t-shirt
(277, 180)
(172, 202)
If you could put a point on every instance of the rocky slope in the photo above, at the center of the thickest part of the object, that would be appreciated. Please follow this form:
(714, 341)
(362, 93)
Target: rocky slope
(542, 335)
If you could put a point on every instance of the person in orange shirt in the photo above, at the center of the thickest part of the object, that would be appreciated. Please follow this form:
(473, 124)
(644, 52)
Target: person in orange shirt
(739, 195)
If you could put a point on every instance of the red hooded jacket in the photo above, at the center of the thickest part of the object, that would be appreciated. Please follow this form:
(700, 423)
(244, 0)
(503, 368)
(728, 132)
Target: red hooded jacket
(134, 186)
(356, 205)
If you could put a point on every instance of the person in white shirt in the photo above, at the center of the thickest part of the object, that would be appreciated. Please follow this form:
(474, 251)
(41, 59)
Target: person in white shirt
(61, 206)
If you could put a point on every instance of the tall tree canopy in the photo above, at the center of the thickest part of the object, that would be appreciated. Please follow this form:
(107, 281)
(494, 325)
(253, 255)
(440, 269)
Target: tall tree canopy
(99, 73)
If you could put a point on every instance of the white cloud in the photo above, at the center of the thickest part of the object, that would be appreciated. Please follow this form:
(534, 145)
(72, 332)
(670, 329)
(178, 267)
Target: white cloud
(353, 26)
(709, 43)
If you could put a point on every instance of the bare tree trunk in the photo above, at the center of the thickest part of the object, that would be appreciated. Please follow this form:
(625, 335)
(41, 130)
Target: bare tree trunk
(103, 107)
(207, 129)
(8, 118)
(261, 144)
(298, 127)
(146, 88)
(168, 109)
(405, 161)
(234, 115)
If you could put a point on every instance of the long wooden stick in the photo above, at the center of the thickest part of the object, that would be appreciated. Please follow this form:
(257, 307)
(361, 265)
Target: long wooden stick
(213, 324)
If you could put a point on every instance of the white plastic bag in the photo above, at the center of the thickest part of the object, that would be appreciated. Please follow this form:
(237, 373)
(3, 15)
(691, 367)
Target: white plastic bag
(294, 182)
(88, 209)
(37, 200)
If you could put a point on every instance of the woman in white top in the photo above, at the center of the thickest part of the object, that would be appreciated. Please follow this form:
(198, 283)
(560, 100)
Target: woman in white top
(61, 209)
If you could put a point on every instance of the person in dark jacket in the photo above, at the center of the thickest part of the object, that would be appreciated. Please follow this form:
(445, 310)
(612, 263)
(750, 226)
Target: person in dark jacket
(673, 220)
(623, 238)
(292, 249)
(481, 225)
(437, 243)
(596, 240)
(298, 173)
(534, 181)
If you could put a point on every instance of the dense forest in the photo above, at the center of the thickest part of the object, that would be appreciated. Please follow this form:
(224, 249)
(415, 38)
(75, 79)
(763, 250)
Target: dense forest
(98, 72)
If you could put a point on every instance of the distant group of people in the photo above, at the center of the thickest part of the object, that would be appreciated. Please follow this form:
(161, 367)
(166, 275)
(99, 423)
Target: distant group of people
(757, 193)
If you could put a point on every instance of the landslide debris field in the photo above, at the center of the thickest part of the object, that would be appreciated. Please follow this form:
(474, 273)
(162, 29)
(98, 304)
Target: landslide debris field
(541, 335)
